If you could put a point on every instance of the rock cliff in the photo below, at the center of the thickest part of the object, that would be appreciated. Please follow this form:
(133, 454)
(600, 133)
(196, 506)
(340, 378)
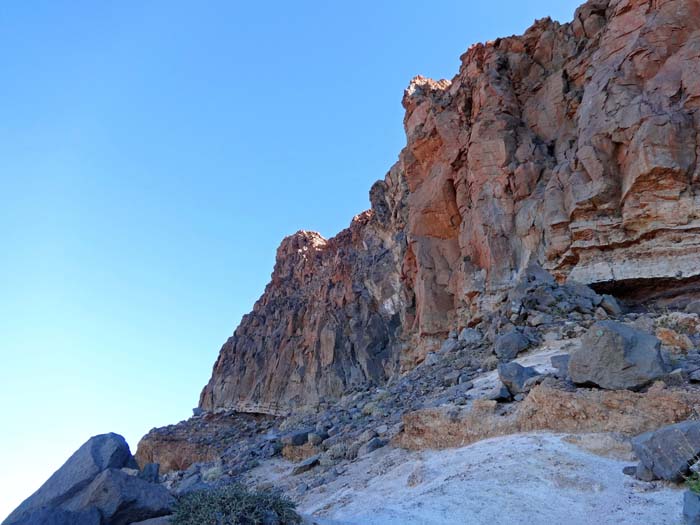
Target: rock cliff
(574, 146)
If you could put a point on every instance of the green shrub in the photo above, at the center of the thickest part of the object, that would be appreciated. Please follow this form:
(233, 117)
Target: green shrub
(693, 482)
(234, 505)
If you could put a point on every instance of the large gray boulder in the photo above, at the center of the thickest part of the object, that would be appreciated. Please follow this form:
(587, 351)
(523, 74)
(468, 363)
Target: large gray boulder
(56, 516)
(615, 356)
(668, 452)
(97, 454)
(122, 498)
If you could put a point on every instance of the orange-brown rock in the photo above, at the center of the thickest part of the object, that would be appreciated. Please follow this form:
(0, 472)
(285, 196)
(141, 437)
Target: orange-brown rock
(200, 440)
(574, 145)
(301, 453)
(174, 454)
(329, 320)
(677, 342)
(549, 409)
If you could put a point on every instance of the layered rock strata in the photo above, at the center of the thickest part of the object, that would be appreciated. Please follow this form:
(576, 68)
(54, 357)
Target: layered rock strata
(574, 145)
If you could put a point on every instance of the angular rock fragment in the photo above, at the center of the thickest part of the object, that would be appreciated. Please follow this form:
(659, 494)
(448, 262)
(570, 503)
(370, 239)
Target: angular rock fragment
(124, 499)
(372, 445)
(510, 344)
(515, 377)
(615, 356)
(669, 452)
(106, 451)
(306, 465)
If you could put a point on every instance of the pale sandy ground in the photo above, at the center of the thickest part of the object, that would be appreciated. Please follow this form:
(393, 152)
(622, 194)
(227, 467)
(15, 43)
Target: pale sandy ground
(529, 479)
(522, 479)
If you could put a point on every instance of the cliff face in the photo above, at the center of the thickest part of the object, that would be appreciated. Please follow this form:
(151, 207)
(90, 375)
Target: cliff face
(330, 318)
(574, 146)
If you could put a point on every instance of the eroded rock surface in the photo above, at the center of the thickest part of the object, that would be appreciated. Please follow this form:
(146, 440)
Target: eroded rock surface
(574, 146)
(100, 484)
(668, 453)
(177, 447)
(616, 356)
(549, 409)
(99, 453)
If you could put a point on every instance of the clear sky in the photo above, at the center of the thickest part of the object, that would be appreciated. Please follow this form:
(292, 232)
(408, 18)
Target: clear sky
(152, 156)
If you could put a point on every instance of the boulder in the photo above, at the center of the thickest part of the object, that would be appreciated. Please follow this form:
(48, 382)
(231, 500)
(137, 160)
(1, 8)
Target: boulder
(581, 297)
(57, 516)
(470, 336)
(124, 499)
(450, 345)
(150, 472)
(561, 365)
(499, 392)
(372, 445)
(691, 507)
(296, 438)
(306, 465)
(106, 451)
(610, 305)
(615, 356)
(510, 344)
(670, 451)
(693, 307)
(515, 377)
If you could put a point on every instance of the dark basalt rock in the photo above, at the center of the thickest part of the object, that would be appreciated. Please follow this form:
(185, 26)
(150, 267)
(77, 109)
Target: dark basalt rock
(97, 454)
(669, 452)
(616, 356)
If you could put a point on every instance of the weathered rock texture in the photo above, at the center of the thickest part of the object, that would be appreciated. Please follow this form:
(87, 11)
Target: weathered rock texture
(199, 440)
(616, 356)
(574, 146)
(99, 453)
(95, 486)
(549, 409)
(669, 452)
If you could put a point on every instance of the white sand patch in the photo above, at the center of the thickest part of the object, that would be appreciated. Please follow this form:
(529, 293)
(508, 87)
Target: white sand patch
(529, 479)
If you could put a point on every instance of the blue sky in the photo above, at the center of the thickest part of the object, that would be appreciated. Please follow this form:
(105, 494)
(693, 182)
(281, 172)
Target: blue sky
(152, 156)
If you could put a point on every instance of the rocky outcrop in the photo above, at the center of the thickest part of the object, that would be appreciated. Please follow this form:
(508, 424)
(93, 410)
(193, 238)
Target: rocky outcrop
(203, 439)
(330, 319)
(668, 453)
(97, 454)
(548, 409)
(574, 146)
(122, 498)
(97, 485)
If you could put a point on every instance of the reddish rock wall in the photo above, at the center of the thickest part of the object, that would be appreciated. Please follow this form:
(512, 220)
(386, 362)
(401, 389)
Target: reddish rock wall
(573, 145)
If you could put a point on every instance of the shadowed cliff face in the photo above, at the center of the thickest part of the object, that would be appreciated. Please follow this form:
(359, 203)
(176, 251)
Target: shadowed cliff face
(575, 146)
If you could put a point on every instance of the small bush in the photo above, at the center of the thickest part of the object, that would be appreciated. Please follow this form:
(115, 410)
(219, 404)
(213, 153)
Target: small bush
(234, 505)
(693, 482)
